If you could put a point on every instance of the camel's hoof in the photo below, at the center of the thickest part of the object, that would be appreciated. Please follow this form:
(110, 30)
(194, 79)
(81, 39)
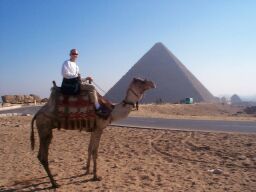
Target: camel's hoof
(55, 185)
(87, 170)
(87, 173)
(96, 178)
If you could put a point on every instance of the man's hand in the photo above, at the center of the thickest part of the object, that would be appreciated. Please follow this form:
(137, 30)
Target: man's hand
(79, 77)
(89, 79)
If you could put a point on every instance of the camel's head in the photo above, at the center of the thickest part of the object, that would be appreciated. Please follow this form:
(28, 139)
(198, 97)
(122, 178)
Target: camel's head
(142, 84)
(137, 88)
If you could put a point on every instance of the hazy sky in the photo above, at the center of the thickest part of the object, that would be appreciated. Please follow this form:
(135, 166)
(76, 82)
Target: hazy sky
(215, 40)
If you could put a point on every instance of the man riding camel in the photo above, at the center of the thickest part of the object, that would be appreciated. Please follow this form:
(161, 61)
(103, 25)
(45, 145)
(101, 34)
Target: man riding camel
(72, 83)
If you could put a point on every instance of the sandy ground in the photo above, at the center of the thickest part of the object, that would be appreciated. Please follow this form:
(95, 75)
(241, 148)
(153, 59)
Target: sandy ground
(129, 160)
(195, 111)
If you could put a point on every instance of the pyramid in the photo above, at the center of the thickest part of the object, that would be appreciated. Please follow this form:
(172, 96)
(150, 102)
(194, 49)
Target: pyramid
(173, 80)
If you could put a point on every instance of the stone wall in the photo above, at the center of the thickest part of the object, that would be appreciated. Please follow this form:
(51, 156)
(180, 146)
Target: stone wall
(20, 99)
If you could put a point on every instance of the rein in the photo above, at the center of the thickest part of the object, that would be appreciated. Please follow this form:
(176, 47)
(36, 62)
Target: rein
(134, 105)
(130, 89)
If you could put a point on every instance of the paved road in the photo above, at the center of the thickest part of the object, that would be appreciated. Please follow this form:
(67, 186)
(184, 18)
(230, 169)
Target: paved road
(176, 124)
(24, 110)
(185, 124)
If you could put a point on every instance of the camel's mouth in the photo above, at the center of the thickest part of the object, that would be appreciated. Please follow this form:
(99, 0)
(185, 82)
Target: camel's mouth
(151, 85)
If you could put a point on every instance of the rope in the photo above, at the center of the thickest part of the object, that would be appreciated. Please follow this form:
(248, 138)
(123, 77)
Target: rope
(99, 87)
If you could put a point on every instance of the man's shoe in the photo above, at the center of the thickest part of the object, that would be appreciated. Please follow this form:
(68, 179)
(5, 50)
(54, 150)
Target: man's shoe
(103, 112)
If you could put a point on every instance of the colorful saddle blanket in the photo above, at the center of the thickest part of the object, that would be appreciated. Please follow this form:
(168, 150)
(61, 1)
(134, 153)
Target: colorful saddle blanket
(76, 112)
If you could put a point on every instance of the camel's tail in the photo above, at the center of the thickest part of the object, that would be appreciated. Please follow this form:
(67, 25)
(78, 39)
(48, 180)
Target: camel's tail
(32, 137)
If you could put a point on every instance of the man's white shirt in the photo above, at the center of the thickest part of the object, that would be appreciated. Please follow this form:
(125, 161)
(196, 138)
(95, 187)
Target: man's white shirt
(70, 69)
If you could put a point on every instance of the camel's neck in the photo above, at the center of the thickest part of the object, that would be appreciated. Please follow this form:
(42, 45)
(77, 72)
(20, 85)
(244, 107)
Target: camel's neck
(120, 111)
(51, 103)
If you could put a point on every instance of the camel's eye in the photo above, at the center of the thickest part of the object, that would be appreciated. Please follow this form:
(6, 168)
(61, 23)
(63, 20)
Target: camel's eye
(135, 79)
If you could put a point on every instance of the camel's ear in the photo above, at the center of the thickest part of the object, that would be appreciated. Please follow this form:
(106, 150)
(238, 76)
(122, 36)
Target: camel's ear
(138, 79)
(134, 80)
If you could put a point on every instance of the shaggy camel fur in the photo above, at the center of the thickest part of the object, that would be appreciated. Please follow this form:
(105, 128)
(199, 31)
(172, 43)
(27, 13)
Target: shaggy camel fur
(45, 116)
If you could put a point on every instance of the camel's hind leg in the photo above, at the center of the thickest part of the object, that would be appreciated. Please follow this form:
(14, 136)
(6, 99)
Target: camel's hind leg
(87, 171)
(45, 134)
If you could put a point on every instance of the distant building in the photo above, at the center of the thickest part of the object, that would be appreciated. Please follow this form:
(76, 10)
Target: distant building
(224, 100)
(235, 99)
(174, 81)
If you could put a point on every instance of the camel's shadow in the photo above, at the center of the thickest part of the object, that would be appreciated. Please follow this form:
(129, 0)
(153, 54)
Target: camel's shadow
(33, 185)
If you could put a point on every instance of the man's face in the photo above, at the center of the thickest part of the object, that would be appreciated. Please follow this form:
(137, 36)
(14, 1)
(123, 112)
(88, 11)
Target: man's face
(73, 55)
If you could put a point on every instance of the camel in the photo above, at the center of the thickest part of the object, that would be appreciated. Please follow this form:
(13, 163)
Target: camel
(45, 116)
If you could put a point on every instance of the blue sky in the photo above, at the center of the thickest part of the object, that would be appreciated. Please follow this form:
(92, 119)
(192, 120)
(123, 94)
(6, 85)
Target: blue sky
(215, 40)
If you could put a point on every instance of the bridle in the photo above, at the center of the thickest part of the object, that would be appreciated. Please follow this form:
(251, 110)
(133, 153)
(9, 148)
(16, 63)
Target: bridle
(134, 105)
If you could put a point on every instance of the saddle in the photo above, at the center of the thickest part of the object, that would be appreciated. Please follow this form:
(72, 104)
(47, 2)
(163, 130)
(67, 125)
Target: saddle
(77, 111)
(74, 111)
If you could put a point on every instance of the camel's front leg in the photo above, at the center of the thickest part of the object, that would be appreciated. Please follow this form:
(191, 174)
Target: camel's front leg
(96, 141)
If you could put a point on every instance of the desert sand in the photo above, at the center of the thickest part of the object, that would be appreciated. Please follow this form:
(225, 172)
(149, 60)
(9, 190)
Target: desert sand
(202, 111)
(129, 160)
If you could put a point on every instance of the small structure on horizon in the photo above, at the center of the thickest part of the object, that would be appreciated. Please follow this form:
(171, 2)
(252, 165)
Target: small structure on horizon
(235, 99)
